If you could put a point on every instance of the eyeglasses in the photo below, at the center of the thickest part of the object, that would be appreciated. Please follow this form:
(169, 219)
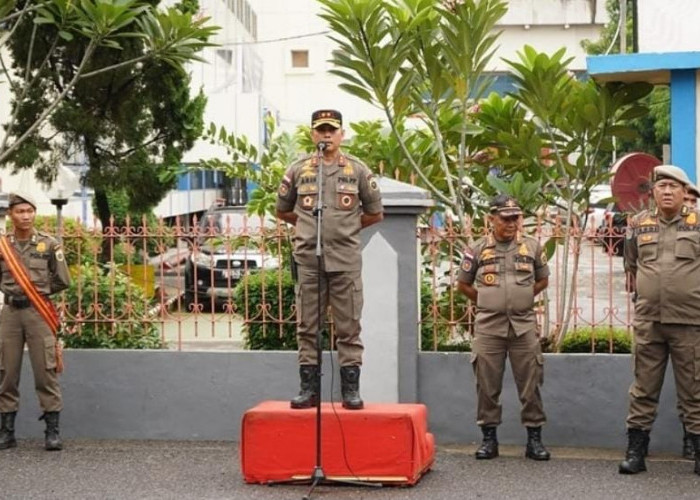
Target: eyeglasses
(663, 186)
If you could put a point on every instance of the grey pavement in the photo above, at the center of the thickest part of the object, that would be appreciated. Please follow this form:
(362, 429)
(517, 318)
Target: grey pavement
(211, 470)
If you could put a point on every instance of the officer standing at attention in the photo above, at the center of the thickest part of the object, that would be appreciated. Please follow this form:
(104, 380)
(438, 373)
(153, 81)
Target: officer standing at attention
(351, 202)
(690, 199)
(502, 273)
(35, 259)
(691, 196)
(662, 251)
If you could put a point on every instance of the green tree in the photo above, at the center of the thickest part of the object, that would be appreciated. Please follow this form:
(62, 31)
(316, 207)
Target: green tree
(264, 167)
(654, 128)
(609, 40)
(576, 121)
(427, 58)
(108, 77)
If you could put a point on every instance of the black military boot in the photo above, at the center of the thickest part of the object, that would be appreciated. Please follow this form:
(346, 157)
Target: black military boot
(688, 449)
(7, 430)
(489, 445)
(308, 395)
(52, 440)
(350, 387)
(637, 442)
(695, 439)
(645, 449)
(535, 449)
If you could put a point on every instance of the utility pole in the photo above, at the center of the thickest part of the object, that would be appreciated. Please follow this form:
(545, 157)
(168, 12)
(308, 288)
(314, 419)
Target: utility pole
(623, 26)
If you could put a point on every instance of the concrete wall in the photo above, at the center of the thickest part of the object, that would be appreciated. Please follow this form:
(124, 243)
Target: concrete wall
(584, 395)
(203, 395)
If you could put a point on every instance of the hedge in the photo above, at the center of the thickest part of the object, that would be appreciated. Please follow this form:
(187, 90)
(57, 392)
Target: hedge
(261, 293)
(580, 340)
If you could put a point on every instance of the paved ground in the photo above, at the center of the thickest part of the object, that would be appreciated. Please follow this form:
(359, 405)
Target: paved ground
(210, 470)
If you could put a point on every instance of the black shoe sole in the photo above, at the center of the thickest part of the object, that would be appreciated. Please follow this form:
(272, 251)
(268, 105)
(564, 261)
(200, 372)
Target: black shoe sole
(628, 471)
(353, 407)
(301, 407)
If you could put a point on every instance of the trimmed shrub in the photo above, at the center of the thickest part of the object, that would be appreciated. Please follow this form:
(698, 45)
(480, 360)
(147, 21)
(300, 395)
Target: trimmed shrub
(433, 325)
(118, 323)
(261, 293)
(582, 339)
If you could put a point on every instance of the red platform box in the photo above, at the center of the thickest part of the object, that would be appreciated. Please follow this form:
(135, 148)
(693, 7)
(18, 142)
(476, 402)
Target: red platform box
(387, 443)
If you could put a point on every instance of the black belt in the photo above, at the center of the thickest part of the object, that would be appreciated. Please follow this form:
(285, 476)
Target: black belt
(18, 302)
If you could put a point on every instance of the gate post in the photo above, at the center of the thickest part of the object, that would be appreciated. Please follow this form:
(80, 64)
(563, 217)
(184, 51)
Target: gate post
(390, 275)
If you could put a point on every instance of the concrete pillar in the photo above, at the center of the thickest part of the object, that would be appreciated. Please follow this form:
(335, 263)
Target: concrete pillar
(390, 277)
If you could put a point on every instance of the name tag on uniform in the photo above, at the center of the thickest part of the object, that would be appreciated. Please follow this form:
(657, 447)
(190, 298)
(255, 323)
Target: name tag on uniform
(523, 266)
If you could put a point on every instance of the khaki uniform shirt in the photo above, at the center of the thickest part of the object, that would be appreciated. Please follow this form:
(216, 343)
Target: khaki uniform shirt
(663, 255)
(505, 275)
(44, 261)
(349, 189)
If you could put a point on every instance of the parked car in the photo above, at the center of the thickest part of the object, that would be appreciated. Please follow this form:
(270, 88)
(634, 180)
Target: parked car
(169, 272)
(213, 268)
(600, 204)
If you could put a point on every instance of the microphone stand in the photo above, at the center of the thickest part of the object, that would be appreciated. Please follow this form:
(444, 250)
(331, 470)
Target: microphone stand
(318, 476)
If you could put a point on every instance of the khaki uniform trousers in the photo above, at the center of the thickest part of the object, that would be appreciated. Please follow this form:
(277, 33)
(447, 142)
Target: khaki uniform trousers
(653, 343)
(343, 291)
(488, 362)
(18, 326)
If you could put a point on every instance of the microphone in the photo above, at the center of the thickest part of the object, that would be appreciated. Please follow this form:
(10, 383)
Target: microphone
(321, 145)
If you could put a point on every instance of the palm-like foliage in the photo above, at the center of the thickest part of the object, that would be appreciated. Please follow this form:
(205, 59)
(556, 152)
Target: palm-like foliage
(426, 60)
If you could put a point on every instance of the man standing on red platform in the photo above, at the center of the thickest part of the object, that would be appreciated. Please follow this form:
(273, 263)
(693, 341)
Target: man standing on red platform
(351, 201)
(501, 274)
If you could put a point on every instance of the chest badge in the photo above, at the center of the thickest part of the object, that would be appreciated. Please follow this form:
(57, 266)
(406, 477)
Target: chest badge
(307, 201)
(648, 221)
(487, 253)
(489, 279)
(646, 237)
(523, 249)
(41, 247)
(692, 219)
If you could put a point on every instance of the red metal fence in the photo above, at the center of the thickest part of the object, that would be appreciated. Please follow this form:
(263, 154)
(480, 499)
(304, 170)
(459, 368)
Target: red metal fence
(197, 287)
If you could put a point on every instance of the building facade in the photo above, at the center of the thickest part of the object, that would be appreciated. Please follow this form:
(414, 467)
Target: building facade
(294, 45)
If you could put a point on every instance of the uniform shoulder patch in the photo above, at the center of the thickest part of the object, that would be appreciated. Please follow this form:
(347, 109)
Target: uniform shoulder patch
(467, 260)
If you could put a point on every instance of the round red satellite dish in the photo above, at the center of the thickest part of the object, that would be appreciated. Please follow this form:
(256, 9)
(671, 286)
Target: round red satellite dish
(631, 181)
